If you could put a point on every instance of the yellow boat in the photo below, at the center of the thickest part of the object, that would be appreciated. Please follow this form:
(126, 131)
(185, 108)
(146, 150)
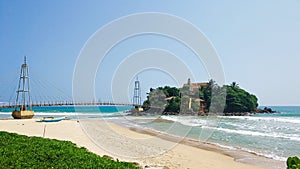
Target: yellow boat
(23, 114)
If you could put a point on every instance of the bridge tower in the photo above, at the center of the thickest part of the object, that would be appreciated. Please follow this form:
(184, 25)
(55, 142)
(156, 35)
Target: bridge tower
(137, 93)
(23, 93)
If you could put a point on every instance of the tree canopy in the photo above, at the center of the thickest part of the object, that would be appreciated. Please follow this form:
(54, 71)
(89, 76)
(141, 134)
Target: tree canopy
(236, 98)
(227, 98)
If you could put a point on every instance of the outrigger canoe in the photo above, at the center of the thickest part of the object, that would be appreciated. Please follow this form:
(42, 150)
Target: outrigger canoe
(52, 119)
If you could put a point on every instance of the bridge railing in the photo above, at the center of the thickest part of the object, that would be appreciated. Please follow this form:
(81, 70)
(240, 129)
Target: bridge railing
(67, 104)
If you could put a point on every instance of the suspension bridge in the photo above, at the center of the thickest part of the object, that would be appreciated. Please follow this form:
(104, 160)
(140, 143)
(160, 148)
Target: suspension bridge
(24, 95)
(44, 104)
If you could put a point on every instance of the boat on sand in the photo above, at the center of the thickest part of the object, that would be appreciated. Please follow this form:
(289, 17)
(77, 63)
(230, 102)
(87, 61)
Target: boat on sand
(52, 119)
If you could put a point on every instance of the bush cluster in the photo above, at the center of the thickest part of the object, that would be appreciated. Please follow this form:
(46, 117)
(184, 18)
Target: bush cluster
(293, 163)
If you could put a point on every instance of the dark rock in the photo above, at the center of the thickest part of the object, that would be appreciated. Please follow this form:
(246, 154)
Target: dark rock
(236, 113)
(265, 110)
(136, 163)
(108, 157)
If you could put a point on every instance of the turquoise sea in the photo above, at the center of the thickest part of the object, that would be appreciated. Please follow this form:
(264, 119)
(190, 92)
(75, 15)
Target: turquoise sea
(275, 136)
(73, 112)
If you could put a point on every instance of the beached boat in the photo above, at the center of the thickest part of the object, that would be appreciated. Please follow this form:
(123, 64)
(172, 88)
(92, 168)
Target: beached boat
(52, 119)
(23, 109)
(23, 114)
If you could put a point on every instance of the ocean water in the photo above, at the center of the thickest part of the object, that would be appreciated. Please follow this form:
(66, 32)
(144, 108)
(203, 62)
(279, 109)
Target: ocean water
(74, 112)
(275, 136)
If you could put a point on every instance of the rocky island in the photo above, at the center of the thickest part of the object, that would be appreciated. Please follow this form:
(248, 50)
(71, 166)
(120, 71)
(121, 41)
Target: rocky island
(202, 99)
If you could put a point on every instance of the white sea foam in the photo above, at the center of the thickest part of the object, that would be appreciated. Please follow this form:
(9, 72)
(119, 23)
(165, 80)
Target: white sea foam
(254, 133)
(276, 119)
(5, 113)
(186, 120)
(266, 154)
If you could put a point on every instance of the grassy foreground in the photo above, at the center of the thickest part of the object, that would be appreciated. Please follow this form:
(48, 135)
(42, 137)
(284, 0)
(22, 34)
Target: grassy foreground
(18, 151)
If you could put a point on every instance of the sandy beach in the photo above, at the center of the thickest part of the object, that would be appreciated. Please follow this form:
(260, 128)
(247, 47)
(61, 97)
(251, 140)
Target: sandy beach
(135, 145)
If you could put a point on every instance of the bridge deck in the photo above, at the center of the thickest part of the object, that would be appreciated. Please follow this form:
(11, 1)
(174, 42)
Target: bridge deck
(68, 104)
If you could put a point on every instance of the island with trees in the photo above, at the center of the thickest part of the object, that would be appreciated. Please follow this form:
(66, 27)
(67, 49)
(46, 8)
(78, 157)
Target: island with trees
(202, 99)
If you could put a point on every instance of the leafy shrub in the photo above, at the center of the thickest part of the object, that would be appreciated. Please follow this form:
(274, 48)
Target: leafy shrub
(18, 151)
(293, 163)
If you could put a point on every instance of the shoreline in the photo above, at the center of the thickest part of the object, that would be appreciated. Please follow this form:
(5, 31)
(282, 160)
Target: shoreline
(101, 137)
(238, 154)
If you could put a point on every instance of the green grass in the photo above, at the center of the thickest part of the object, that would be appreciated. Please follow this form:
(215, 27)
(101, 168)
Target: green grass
(18, 151)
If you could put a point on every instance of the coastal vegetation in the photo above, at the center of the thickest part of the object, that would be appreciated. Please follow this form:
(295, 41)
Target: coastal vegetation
(18, 151)
(293, 163)
(187, 100)
(239, 100)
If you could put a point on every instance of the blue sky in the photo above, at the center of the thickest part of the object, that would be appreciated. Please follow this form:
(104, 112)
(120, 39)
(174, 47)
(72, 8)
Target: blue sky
(257, 42)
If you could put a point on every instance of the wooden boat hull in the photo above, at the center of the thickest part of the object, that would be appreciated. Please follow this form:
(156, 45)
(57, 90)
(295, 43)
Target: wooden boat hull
(23, 114)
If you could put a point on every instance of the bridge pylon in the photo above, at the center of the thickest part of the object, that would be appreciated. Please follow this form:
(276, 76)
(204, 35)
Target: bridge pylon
(137, 93)
(23, 109)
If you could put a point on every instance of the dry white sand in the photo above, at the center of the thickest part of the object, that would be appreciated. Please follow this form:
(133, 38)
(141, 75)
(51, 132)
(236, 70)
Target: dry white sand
(105, 138)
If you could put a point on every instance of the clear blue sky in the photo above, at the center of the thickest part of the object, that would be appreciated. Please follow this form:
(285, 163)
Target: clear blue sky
(257, 42)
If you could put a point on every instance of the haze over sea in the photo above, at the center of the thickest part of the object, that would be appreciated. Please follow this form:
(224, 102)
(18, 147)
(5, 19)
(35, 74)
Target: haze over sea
(276, 136)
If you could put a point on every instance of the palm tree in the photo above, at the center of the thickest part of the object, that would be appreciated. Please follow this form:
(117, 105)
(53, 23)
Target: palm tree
(234, 85)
